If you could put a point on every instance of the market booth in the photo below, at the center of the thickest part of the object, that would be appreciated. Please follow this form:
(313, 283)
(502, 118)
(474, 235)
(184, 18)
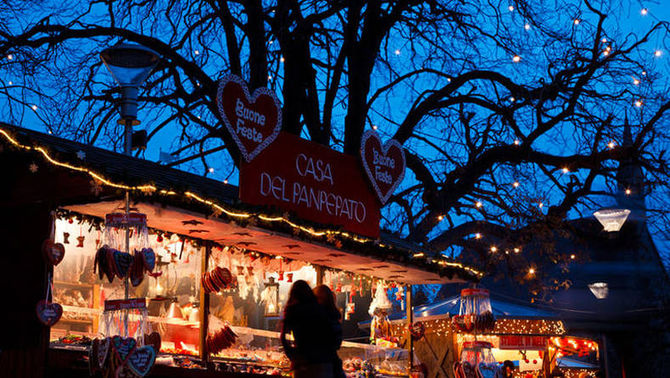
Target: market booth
(177, 263)
(459, 334)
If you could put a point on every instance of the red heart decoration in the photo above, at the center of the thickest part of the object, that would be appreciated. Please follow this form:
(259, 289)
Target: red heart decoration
(48, 313)
(141, 360)
(54, 252)
(253, 121)
(384, 164)
(136, 270)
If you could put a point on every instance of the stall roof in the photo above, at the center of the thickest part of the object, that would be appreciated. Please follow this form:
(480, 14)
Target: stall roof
(195, 206)
(501, 309)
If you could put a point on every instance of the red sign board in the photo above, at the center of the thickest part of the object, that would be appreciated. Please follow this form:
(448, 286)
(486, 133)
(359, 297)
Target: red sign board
(523, 342)
(312, 181)
(125, 304)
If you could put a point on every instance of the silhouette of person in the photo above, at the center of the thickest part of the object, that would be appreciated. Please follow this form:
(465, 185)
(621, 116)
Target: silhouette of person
(327, 299)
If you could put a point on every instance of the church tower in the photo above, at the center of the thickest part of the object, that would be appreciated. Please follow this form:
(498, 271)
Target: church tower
(631, 188)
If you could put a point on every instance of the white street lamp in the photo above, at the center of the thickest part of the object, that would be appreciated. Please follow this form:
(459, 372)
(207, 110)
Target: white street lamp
(612, 219)
(599, 289)
(130, 65)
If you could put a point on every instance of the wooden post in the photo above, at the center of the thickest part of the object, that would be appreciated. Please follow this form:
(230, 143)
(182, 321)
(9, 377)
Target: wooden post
(319, 274)
(204, 307)
(410, 320)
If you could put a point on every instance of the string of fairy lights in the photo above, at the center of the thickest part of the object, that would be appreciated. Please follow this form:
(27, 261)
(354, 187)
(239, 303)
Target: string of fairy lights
(220, 209)
(506, 326)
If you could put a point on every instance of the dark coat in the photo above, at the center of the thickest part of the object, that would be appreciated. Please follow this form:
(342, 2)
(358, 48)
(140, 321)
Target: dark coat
(313, 334)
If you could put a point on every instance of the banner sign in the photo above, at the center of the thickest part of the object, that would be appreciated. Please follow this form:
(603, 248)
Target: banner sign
(522, 342)
(384, 164)
(252, 121)
(125, 304)
(314, 182)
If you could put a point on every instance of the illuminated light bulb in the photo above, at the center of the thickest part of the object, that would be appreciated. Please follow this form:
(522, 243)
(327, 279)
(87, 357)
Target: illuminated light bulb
(606, 52)
(531, 271)
(448, 80)
(511, 8)
(541, 205)
(374, 127)
(644, 11)
(515, 184)
(440, 217)
(397, 52)
(611, 145)
(281, 59)
(516, 59)
(604, 40)
(517, 142)
(478, 204)
(638, 103)
(197, 52)
(576, 21)
(628, 192)
(512, 99)
(572, 257)
(636, 81)
(10, 83)
(517, 250)
(527, 26)
(478, 236)
(34, 107)
(272, 41)
(658, 53)
(269, 77)
(225, 181)
(10, 56)
(494, 249)
(211, 170)
(566, 170)
(644, 73)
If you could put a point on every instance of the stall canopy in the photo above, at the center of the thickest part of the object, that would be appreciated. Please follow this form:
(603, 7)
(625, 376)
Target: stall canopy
(199, 207)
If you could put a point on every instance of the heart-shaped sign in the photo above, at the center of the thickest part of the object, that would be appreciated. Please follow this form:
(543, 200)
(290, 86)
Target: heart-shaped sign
(253, 121)
(153, 339)
(123, 261)
(54, 252)
(149, 258)
(48, 313)
(384, 164)
(103, 350)
(142, 360)
(123, 346)
(136, 270)
(111, 265)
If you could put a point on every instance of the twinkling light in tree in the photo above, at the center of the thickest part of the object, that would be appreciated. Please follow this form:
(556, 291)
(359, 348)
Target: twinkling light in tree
(516, 59)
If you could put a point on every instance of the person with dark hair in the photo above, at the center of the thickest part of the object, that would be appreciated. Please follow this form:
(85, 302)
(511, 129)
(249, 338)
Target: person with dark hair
(507, 369)
(310, 351)
(327, 299)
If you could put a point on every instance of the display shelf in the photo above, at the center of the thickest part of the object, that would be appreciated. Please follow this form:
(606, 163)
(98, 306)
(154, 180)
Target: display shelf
(75, 284)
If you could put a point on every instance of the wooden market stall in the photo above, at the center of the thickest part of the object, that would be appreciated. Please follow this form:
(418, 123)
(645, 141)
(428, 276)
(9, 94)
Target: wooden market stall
(197, 228)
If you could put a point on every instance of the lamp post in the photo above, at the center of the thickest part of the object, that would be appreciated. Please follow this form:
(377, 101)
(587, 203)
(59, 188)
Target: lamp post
(130, 65)
(612, 219)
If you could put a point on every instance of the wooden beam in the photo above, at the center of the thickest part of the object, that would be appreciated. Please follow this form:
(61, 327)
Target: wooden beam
(204, 306)
(410, 320)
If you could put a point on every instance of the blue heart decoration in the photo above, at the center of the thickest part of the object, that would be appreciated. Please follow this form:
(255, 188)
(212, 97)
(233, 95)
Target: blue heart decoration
(142, 360)
(149, 258)
(123, 261)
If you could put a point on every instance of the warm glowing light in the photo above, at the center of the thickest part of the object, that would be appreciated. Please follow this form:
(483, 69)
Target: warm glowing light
(515, 184)
(517, 250)
(517, 142)
(478, 236)
(440, 217)
(211, 170)
(34, 107)
(281, 59)
(628, 192)
(541, 205)
(565, 170)
(516, 59)
(644, 73)
(658, 53)
(527, 26)
(397, 52)
(10, 56)
(197, 52)
(572, 257)
(374, 127)
(576, 21)
(478, 204)
(511, 8)
(531, 271)
(494, 249)
(636, 81)
(644, 11)
(611, 145)
(225, 181)
(604, 40)
(638, 103)
(512, 99)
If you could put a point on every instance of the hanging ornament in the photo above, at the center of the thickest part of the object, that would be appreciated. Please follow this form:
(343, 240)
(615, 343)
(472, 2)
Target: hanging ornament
(338, 288)
(250, 270)
(281, 276)
(97, 241)
(475, 313)
(48, 313)
(159, 238)
(289, 277)
(66, 237)
(399, 294)
(54, 252)
(80, 240)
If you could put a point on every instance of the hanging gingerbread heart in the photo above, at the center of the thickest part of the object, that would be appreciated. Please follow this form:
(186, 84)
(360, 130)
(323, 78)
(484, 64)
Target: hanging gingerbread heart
(149, 258)
(123, 346)
(137, 270)
(80, 241)
(48, 313)
(252, 121)
(103, 351)
(110, 271)
(384, 164)
(122, 263)
(153, 339)
(141, 360)
(92, 357)
(54, 252)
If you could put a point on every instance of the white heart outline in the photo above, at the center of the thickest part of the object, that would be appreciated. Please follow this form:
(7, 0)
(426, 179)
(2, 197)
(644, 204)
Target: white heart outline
(134, 368)
(385, 148)
(103, 351)
(248, 156)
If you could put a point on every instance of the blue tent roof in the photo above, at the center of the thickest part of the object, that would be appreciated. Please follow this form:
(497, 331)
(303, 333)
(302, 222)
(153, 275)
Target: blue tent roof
(501, 309)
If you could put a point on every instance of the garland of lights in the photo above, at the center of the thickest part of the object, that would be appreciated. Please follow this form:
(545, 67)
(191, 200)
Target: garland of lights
(218, 209)
(539, 327)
